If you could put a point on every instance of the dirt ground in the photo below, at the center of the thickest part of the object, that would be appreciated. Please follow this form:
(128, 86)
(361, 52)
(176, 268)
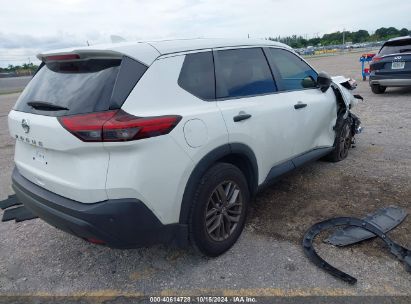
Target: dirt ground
(37, 259)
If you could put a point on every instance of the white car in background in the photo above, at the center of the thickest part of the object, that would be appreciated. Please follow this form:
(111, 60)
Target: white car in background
(130, 144)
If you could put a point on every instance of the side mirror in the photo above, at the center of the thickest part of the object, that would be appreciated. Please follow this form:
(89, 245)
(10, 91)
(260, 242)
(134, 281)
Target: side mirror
(323, 81)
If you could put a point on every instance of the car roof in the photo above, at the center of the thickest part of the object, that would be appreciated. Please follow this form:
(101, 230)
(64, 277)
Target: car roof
(148, 51)
(185, 45)
(400, 38)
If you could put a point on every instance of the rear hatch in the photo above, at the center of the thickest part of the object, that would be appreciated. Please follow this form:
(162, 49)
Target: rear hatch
(394, 59)
(70, 87)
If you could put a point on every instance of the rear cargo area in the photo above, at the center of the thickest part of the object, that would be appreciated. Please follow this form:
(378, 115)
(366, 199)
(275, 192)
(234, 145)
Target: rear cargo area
(70, 85)
(52, 158)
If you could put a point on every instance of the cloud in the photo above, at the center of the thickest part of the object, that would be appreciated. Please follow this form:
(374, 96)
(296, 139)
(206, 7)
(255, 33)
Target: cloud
(27, 27)
(13, 41)
(19, 48)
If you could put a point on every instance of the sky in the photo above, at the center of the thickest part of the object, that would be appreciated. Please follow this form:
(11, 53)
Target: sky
(28, 27)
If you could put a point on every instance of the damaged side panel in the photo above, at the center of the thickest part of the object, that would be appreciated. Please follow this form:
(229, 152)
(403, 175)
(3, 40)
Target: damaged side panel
(342, 88)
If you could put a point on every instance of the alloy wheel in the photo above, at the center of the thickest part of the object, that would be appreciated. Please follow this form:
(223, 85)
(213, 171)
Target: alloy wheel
(345, 141)
(223, 211)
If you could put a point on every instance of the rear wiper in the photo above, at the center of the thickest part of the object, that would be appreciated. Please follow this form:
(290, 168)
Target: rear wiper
(45, 106)
(405, 50)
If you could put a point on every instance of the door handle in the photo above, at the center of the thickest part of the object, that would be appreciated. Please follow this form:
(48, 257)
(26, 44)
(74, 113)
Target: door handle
(241, 116)
(300, 105)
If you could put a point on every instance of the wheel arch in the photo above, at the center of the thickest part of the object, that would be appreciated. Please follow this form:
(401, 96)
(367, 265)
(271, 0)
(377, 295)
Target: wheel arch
(237, 154)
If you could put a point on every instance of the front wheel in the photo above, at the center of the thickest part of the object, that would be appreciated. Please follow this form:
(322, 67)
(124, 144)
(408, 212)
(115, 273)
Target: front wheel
(343, 140)
(219, 209)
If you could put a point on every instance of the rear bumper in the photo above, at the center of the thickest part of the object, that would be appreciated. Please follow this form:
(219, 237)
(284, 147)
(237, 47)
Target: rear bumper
(119, 223)
(391, 80)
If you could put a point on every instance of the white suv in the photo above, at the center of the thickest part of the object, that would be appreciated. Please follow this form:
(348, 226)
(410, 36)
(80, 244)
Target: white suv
(131, 144)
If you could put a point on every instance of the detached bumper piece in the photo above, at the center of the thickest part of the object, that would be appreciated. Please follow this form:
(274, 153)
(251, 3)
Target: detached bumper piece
(14, 210)
(402, 253)
(117, 223)
(385, 219)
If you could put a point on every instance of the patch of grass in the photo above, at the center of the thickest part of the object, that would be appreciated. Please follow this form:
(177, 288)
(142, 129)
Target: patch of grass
(11, 92)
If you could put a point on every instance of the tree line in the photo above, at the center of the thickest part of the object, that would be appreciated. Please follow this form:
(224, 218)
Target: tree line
(337, 38)
(20, 70)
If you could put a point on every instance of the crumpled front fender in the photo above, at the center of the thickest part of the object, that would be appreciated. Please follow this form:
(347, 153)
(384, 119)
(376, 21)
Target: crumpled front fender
(345, 86)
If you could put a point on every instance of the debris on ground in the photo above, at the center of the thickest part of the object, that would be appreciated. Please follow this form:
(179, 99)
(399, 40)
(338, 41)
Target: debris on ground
(385, 219)
(359, 230)
(14, 210)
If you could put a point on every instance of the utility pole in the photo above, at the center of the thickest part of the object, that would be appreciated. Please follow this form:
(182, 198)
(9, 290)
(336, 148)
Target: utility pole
(343, 36)
(29, 65)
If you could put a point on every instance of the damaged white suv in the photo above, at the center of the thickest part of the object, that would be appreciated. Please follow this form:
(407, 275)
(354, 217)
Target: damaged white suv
(131, 144)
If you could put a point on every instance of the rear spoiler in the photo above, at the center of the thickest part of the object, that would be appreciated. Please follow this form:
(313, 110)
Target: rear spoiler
(79, 55)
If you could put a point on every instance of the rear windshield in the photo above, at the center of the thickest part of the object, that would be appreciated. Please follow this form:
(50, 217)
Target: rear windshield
(81, 86)
(395, 47)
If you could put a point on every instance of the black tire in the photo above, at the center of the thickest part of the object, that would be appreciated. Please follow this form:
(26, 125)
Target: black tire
(343, 140)
(378, 89)
(205, 200)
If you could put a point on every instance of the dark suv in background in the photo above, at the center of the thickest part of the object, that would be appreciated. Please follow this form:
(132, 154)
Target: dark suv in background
(391, 67)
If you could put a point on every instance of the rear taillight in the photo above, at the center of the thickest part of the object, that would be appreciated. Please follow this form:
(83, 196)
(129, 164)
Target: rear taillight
(87, 127)
(95, 241)
(117, 125)
(376, 59)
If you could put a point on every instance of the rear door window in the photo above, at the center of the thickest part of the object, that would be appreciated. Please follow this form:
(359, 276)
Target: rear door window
(197, 75)
(242, 72)
(294, 73)
(81, 86)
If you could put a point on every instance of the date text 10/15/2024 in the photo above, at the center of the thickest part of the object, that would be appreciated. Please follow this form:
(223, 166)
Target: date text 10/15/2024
(203, 299)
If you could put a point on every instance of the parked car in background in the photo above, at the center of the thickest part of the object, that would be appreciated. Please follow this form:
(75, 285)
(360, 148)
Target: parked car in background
(391, 67)
(130, 144)
(309, 51)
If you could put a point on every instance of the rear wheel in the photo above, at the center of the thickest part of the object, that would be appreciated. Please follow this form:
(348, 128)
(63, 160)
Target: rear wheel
(378, 89)
(219, 209)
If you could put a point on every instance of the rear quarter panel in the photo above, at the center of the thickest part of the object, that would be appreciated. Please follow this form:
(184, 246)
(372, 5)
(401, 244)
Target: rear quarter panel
(156, 170)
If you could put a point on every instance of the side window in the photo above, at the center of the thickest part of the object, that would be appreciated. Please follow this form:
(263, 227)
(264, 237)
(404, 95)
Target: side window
(197, 75)
(294, 73)
(243, 72)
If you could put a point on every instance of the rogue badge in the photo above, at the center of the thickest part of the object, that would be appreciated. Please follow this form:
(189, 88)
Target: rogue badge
(25, 126)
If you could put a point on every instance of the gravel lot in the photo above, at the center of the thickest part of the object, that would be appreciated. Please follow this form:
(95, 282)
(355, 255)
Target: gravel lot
(37, 259)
